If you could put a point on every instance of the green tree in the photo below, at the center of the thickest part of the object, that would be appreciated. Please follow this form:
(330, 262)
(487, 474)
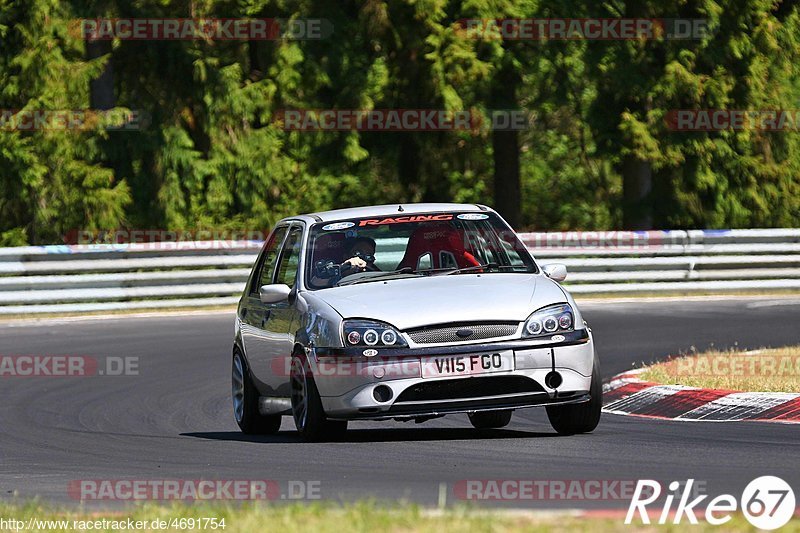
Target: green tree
(52, 181)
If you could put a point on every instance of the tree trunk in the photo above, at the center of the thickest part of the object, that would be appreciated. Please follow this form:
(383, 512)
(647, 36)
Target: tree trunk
(507, 188)
(637, 185)
(505, 147)
(408, 166)
(101, 89)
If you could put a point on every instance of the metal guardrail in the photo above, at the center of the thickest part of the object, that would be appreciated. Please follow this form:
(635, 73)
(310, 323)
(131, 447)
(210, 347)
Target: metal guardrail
(92, 278)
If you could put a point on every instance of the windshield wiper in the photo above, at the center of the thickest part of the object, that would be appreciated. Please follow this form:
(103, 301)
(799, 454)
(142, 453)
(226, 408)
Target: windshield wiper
(471, 268)
(487, 266)
(377, 277)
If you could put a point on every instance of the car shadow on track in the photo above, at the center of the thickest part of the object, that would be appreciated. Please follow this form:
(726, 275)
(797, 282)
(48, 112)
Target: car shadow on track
(378, 435)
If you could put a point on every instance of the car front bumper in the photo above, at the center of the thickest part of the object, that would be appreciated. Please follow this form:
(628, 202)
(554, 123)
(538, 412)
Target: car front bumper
(347, 382)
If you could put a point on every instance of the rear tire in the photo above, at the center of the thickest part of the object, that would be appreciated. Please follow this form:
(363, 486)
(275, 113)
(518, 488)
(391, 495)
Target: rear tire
(579, 417)
(490, 419)
(245, 401)
(309, 416)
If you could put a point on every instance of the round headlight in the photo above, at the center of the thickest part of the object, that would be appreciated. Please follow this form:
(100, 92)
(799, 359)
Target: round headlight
(371, 337)
(534, 327)
(565, 321)
(550, 324)
(354, 337)
(388, 337)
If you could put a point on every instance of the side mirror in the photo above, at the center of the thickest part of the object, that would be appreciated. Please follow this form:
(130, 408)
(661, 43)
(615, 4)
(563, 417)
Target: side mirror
(275, 293)
(555, 271)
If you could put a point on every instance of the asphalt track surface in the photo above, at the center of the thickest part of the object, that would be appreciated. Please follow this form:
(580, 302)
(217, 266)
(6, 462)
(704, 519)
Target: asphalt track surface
(174, 420)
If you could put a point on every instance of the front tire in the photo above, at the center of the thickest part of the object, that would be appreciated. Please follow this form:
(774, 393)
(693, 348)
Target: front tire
(490, 419)
(245, 401)
(579, 417)
(309, 416)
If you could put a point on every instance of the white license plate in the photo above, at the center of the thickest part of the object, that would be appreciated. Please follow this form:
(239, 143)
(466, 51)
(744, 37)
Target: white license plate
(467, 365)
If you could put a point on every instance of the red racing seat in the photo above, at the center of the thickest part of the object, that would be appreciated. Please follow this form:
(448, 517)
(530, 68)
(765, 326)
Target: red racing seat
(445, 245)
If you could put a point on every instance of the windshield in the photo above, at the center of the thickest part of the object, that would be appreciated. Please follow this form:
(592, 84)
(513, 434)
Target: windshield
(377, 249)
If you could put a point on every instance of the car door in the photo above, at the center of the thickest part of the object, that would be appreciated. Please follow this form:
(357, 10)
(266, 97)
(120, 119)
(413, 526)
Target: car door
(275, 339)
(254, 313)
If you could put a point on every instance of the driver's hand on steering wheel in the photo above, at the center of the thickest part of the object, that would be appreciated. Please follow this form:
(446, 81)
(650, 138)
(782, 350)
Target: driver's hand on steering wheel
(356, 263)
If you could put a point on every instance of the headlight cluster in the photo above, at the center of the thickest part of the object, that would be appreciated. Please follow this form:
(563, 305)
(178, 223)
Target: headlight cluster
(368, 333)
(553, 319)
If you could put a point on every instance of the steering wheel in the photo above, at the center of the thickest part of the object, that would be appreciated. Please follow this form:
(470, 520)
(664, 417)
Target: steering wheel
(327, 269)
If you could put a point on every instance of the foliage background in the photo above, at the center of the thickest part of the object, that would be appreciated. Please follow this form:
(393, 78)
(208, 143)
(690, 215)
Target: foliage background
(212, 156)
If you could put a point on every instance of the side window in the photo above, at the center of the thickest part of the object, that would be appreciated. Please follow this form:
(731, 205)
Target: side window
(270, 256)
(290, 257)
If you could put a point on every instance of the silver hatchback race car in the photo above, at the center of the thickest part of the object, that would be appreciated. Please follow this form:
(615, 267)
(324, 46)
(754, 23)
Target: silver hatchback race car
(407, 312)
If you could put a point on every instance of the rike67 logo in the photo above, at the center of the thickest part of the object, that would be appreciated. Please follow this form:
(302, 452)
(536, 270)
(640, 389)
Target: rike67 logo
(767, 502)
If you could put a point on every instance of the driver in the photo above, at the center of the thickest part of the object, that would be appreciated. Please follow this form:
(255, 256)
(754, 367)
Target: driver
(361, 254)
(361, 251)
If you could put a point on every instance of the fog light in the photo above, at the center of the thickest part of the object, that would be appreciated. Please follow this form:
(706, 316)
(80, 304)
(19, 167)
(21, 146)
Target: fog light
(553, 380)
(382, 393)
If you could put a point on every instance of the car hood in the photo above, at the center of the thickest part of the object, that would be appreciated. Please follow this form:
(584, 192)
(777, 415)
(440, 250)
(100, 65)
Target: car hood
(414, 302)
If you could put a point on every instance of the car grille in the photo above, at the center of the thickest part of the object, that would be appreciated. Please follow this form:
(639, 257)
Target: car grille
(433, 335)
(455, 389)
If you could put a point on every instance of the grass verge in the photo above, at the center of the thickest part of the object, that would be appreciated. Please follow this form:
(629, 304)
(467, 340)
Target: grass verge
(763, 370)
